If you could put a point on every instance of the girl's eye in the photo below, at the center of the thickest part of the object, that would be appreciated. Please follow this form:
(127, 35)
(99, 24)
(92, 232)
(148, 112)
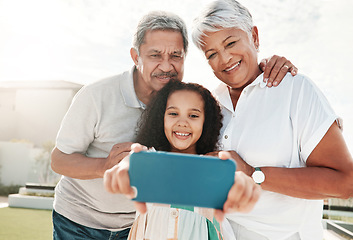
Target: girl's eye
(172, 114)
(194, 116)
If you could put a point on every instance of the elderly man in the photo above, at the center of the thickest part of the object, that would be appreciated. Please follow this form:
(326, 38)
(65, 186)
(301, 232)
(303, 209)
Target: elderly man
(99, 127)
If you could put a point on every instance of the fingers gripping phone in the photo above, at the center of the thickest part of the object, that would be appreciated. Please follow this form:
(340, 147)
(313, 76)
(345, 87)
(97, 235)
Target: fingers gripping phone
(181, 179)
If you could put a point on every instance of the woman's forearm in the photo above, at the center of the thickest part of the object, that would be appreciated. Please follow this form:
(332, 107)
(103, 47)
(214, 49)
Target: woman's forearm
(308, 182)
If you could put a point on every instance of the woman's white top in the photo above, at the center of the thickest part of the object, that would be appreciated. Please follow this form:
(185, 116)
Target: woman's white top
(280, 127)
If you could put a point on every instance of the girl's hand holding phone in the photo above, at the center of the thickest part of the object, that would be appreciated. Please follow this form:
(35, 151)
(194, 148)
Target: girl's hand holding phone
(116, 179)
(242, 196)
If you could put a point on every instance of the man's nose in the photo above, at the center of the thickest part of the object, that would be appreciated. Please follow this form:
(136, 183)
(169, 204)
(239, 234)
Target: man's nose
(166, 65)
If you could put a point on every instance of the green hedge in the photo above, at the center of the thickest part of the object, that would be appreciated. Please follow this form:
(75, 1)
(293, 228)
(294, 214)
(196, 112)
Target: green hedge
(6, 190)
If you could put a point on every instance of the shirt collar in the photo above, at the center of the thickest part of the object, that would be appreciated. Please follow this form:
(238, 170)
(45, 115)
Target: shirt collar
(258, 81)
(222, 94)
(128, 91)
(223, 88)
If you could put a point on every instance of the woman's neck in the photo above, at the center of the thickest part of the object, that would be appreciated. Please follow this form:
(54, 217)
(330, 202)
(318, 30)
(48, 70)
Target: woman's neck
(234, 95)
(236, 92)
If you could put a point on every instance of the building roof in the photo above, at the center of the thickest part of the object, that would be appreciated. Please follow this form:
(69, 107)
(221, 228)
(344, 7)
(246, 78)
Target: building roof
(59, 84)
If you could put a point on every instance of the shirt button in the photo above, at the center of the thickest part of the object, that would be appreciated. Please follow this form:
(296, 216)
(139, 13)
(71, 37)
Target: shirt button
(174, 213)
(263, 84)
(226, 136)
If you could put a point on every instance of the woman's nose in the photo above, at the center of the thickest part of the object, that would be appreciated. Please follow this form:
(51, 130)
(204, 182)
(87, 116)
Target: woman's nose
(225, 57)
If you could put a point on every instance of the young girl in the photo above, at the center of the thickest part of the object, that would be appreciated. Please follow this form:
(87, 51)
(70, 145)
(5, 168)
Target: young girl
(186, 104)
(184, 118)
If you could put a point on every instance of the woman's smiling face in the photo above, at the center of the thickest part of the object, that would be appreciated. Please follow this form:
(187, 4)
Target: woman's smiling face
(232, 55)
(183, 120)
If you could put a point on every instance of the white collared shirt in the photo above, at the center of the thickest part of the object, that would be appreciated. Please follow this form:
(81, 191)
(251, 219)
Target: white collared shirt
(102, 114)
(278, 127)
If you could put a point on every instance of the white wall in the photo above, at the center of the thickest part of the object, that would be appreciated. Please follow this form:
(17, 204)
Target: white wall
(29, 118)
(8, 115)
(19, 164)
(36, 115)
(15, 162)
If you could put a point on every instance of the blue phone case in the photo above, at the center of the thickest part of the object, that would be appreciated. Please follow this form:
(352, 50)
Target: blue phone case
(181, 179)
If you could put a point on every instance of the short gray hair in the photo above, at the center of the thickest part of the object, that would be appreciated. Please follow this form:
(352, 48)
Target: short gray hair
(221, 14)
(159, 20)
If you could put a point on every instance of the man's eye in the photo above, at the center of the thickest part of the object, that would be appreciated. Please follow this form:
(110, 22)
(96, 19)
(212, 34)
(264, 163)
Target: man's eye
(155, 55)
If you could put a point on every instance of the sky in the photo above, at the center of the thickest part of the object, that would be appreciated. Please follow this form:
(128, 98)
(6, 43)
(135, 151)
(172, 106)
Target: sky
(85, 40)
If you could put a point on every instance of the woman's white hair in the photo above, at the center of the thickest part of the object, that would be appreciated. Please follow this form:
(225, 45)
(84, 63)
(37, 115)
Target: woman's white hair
(221, 14)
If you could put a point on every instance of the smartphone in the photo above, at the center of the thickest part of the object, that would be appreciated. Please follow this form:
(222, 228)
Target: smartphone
(181, 179)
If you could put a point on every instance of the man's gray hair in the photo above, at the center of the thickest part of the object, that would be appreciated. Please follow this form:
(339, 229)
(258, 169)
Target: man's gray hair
(159, 20)
(219, 15)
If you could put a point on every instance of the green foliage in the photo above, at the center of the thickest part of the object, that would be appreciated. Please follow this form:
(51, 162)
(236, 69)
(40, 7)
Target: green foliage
(346, 219)
(6, 190)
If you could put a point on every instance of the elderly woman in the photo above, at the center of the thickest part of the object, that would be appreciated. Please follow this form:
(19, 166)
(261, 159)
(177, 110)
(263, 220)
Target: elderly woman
(287, 138)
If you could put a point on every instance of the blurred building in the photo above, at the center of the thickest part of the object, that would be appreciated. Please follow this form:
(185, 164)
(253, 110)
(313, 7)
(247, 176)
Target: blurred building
(32, 111)
(30, 116)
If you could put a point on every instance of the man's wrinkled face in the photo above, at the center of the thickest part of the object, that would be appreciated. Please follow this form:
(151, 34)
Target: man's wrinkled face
(161, 58)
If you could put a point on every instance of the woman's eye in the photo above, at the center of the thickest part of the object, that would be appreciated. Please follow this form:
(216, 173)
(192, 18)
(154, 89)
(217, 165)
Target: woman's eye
(231, 44)
(211, 56)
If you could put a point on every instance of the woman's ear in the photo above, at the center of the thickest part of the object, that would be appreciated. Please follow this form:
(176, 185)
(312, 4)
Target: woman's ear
(255, 37)
(135, 56)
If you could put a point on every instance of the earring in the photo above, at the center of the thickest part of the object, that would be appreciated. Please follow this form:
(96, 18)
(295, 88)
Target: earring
(257, 48)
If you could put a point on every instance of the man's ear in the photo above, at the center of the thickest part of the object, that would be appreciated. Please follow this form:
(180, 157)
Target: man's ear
(134, 55)
(255, 37)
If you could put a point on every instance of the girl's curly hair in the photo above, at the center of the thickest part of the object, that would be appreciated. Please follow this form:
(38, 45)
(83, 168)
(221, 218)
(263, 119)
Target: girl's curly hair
(150, 131)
